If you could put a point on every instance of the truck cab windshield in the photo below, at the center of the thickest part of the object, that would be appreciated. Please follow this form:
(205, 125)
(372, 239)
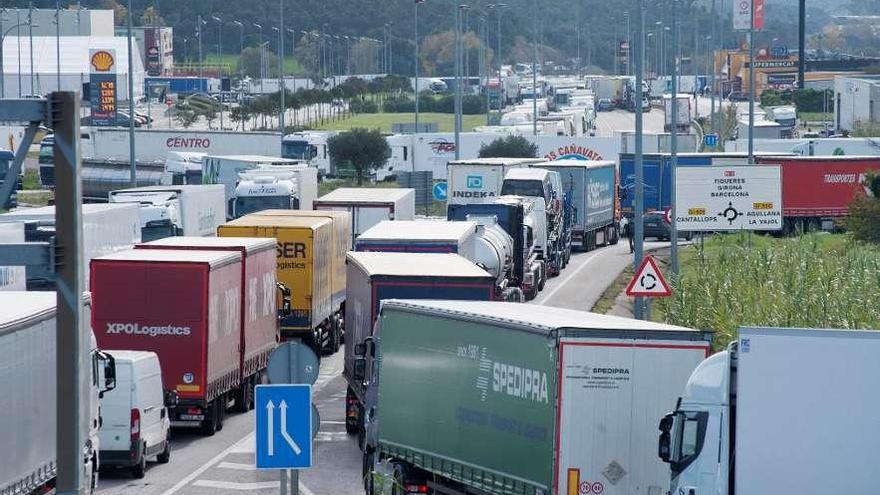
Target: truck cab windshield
(533, 188)
(300, 150)
(245, 205)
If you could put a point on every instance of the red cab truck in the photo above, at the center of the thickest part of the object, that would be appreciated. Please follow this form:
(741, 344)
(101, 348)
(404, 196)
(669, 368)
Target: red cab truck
(186, 307)
(816, 190)
(259, 323)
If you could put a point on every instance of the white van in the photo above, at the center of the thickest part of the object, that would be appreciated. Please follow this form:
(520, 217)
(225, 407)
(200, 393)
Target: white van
(135, 423)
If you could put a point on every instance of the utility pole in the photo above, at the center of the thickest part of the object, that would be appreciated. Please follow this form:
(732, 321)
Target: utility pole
(713, 38)
(802, 26)
(639, 200)
(130, 64)
(676, 60)
(752, 82)
(416, 81)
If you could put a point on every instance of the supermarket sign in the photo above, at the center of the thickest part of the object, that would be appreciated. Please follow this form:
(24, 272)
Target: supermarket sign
(728, 198)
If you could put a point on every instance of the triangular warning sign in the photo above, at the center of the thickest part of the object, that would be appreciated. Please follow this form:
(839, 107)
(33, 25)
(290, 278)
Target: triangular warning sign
(648, 281)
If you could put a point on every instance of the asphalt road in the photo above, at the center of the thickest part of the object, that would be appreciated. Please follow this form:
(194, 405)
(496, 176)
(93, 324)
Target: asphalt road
(617, 120)
(224, 463)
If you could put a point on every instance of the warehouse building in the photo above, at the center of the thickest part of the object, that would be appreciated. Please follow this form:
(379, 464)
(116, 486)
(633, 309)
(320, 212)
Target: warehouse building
(856, 100)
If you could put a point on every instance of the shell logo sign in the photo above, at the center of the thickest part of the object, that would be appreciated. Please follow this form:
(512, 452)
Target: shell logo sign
(102, 61)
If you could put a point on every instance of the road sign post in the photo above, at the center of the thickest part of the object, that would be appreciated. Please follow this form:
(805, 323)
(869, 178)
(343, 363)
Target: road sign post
(284, 426)
(293, 362)
(440, 191)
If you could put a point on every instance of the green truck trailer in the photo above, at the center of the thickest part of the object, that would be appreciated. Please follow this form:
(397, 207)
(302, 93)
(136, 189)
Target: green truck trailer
(472, 397)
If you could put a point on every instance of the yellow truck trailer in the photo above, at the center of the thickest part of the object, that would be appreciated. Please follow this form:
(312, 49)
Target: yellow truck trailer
(304, 264)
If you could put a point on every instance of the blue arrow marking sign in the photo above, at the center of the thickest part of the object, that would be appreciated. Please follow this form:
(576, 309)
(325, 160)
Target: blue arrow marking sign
(284, 426)
(439, 191)
(710, 139)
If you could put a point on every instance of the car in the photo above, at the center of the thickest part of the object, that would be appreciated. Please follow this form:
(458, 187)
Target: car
(604, 105)
(135, 424)
(655, 226)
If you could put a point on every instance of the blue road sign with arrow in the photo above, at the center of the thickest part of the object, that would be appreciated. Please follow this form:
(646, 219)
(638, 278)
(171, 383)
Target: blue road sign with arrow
(284, 426)
(439, 190)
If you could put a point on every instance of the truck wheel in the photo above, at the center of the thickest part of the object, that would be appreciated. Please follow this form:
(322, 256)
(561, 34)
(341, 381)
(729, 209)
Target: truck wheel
(165, 456)
(243, 396)
(542, 281)
(221, 411)
(139, 470)
(209, 424)
(335, 337)
(615, 236)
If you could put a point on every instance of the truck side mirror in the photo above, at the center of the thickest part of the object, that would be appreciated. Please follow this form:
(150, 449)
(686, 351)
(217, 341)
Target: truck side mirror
(109, 372)
(171, 398)
(663, 448)
(285, 306)
(360, 368)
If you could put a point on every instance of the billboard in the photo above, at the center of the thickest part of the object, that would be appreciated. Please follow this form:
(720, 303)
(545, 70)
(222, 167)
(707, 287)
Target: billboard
(103, 89)
(728, 198)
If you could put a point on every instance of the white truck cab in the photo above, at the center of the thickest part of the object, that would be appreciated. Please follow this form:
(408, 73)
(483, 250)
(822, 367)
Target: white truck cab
(275, 187)
(135, 422)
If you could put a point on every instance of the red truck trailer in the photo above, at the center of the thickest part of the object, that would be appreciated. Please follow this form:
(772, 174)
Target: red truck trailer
(259, 321)
(186, 307)
(816, 190)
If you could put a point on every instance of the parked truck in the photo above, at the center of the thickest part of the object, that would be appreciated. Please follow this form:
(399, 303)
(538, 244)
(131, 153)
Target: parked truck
(684, 115)
(817, 190)
(591, 187)
(369, 206)
(523, 221)
(786, 117)
(513, 398)
(225, 169)
(305, 254)
(375, 277)
(106, 228)
(420, 236)
(479, 180)
(290, 187)
(764, 416)
(28, 340)
(176, 210)
(259, 325)
(184, 305)
(100, 175)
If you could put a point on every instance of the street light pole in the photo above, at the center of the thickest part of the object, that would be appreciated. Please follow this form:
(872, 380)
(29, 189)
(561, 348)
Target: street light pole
(457, 54)
(281, 64)
(639, 201)
(673, 226)
(752, 82)
(260, 27)
(130, 63)
(2, 38)
(57, 44)
(534, 68)
(31, 42)
(18, 36)
(220, 62)
(416, 82)
(712, 38)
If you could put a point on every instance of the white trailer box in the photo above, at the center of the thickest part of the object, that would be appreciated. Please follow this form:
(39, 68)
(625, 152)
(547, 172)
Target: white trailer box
(479, 180)
(191, 210)
(369, 206)
(805, 417)
(156, 144)
(27, 432)
(225, 169)
(683, 118)
(420, 236)
(107, 228)
(12, 277)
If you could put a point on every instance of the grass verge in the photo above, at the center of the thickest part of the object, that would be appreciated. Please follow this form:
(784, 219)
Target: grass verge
(817, 280)
(383, 121)
(816, 116)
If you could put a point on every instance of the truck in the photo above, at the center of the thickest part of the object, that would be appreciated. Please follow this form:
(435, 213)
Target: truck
(512, 398)
(305, 253)
(757, 418)
(591, 187)
(156, 144)
(170, 302)
(175, 210)
(545, 186)
(291, 187)
(28, 341)
(6, 159)
(259, 323)
(420, 236)
(179, 85)
(369, 206)
(225, 169)
(100, 175)
(184, 167)
(479, 180)
(524, 223)
(311, 147)
(106, 228)
(684, 116)
(373, 278)
(341, 244)
(817, 190)
(786, 117)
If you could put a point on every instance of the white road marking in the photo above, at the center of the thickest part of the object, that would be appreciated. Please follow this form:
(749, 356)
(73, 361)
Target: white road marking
(230, 485)
(237, 466)
(243, 444)
(331, 422)
(559, 285)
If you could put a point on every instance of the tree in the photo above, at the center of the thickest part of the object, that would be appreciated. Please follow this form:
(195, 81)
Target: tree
(363, 149)
(186, 117)
(864, 211)
(151, 17)
(249, 62)
(240, 114)
(120, 13)
(511, 146)
(210, 115)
